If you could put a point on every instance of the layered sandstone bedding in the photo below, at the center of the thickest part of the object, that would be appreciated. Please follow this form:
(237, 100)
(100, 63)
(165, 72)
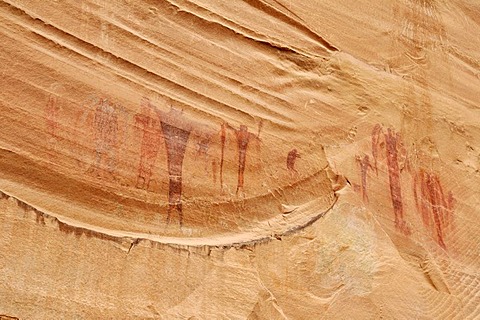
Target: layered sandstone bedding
(261, 159)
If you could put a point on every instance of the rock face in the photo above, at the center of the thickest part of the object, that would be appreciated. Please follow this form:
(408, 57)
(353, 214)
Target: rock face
(239, 160)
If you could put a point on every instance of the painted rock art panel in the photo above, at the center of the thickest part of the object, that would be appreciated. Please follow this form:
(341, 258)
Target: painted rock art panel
(157, 166)
(161, 157)
(414, 192)
(240, 159)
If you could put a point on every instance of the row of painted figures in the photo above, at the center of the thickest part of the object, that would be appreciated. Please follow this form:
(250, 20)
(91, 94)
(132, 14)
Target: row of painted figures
(432, 202)
(175, 130)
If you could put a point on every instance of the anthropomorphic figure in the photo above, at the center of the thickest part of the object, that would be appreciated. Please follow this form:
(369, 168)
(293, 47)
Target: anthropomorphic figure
(147, 120)
(435, 206)
(105, 125)
(51, 112)
(243, 139)
(223, 138)
(203, 148)
(176, 132)
(364, 166)
(291, 158)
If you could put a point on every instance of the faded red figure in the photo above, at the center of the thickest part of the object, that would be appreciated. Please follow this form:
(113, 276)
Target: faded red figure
(203, 148)
(364, 166)
(214, 170)
(147, 120)
(203, 145)
(51, 112)
(223, 138)
(291, 158)
(243, 139)
(105, 124)
(376, 132)
(435, 207)
(176, 132)
(393, 144)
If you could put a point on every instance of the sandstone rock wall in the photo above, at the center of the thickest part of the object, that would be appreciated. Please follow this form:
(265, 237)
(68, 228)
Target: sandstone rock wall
(239, 160)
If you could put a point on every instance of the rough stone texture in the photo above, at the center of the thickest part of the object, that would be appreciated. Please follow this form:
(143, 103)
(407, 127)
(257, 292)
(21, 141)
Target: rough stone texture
(261, 159)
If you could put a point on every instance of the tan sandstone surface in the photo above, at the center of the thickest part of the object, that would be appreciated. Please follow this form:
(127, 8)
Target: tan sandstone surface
(256, 159)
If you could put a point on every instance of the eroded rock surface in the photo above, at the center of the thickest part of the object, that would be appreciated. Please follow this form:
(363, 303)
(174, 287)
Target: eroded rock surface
(239, 160)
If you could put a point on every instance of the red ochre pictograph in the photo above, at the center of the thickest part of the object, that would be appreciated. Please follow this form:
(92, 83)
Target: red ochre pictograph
(434, 206)
(364, 166)
(51, 114)
(148, 121)
(393, 146)
(243, 139)
(105, 125)
(291, 159)
(176, 131)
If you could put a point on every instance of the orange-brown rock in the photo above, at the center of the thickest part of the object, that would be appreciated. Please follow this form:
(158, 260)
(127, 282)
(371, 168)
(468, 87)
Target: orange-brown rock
(262, 159)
